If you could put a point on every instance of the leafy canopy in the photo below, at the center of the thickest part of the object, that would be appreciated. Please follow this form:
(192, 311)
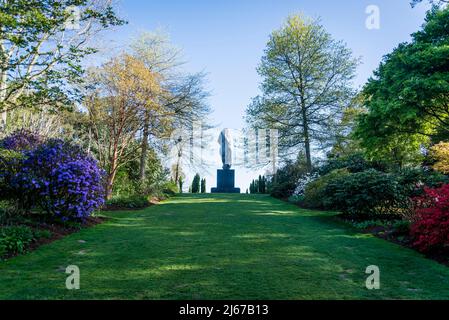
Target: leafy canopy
(41, 51)
(306, 84)
(408, 97)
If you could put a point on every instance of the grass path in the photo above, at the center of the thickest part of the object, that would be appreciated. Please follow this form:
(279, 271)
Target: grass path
(222, 247)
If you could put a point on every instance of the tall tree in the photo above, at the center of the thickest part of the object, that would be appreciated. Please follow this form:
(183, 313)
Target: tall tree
(251, 187)
(344, 142)
(196, 183)
(42, 43)
(306, 83)
(203, 185)
(180, 184)
(408, 97)
(181, 101)
(263, 185)
(160, 56)
(123, 86)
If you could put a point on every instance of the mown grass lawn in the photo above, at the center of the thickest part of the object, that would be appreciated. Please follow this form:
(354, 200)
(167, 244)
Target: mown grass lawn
(222, 247)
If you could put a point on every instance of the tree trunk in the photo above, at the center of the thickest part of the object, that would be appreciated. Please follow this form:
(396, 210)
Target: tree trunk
(307, 141)
(3, 114)
(109, 185)
(144, 148)
(111, 175)
(90, 141)
(177, 172)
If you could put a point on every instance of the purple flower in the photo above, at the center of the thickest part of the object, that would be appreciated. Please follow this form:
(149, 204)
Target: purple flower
(59, 177)
(21, 140)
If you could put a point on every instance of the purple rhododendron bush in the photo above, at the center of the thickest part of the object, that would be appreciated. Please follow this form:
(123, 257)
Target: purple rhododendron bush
(21, 140)
(52, 175)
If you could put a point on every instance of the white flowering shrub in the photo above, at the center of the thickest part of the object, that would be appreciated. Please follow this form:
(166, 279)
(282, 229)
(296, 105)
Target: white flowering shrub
(303, 182)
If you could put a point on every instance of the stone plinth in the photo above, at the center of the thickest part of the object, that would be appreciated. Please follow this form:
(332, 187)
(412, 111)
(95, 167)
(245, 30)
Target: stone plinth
(225, 182)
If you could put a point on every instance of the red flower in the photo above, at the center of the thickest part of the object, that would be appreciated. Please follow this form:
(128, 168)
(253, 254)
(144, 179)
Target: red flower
(431, 230)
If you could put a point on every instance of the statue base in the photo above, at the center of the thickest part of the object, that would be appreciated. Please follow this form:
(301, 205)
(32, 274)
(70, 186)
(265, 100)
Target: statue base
(225, 182)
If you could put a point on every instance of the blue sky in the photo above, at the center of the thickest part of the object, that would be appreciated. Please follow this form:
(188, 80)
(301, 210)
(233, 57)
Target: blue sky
(226, 39)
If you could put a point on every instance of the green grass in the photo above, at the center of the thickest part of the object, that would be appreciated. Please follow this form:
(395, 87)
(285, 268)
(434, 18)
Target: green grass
(222, 247)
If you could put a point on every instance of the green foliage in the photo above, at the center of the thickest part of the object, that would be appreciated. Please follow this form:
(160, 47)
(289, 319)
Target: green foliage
(286, 178)
(398, 227)
(259, 185)
(43, 56)
(344, 143)
(414, 179)
(302, 111)
(408, 96)
(253, 187)
(296, 199)
(73, 225)
(129, 185)
(124, 184)
(3, 212)
(128, 202)
(43, 234)
(203, 185)
(10, 215)
(180, 183)
(262, 184)
(314, 194)
(196, 183)
(15, 239)
(353, 163)
(401, 226)
(128, 182)
(363, 225)
(10, 161)
(388, 143)
(403, 185)
(169, 188)
(155, 174)
(440, 155)
(365, 194)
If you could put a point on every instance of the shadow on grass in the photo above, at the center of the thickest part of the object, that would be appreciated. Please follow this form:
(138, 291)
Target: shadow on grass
(222, 247)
